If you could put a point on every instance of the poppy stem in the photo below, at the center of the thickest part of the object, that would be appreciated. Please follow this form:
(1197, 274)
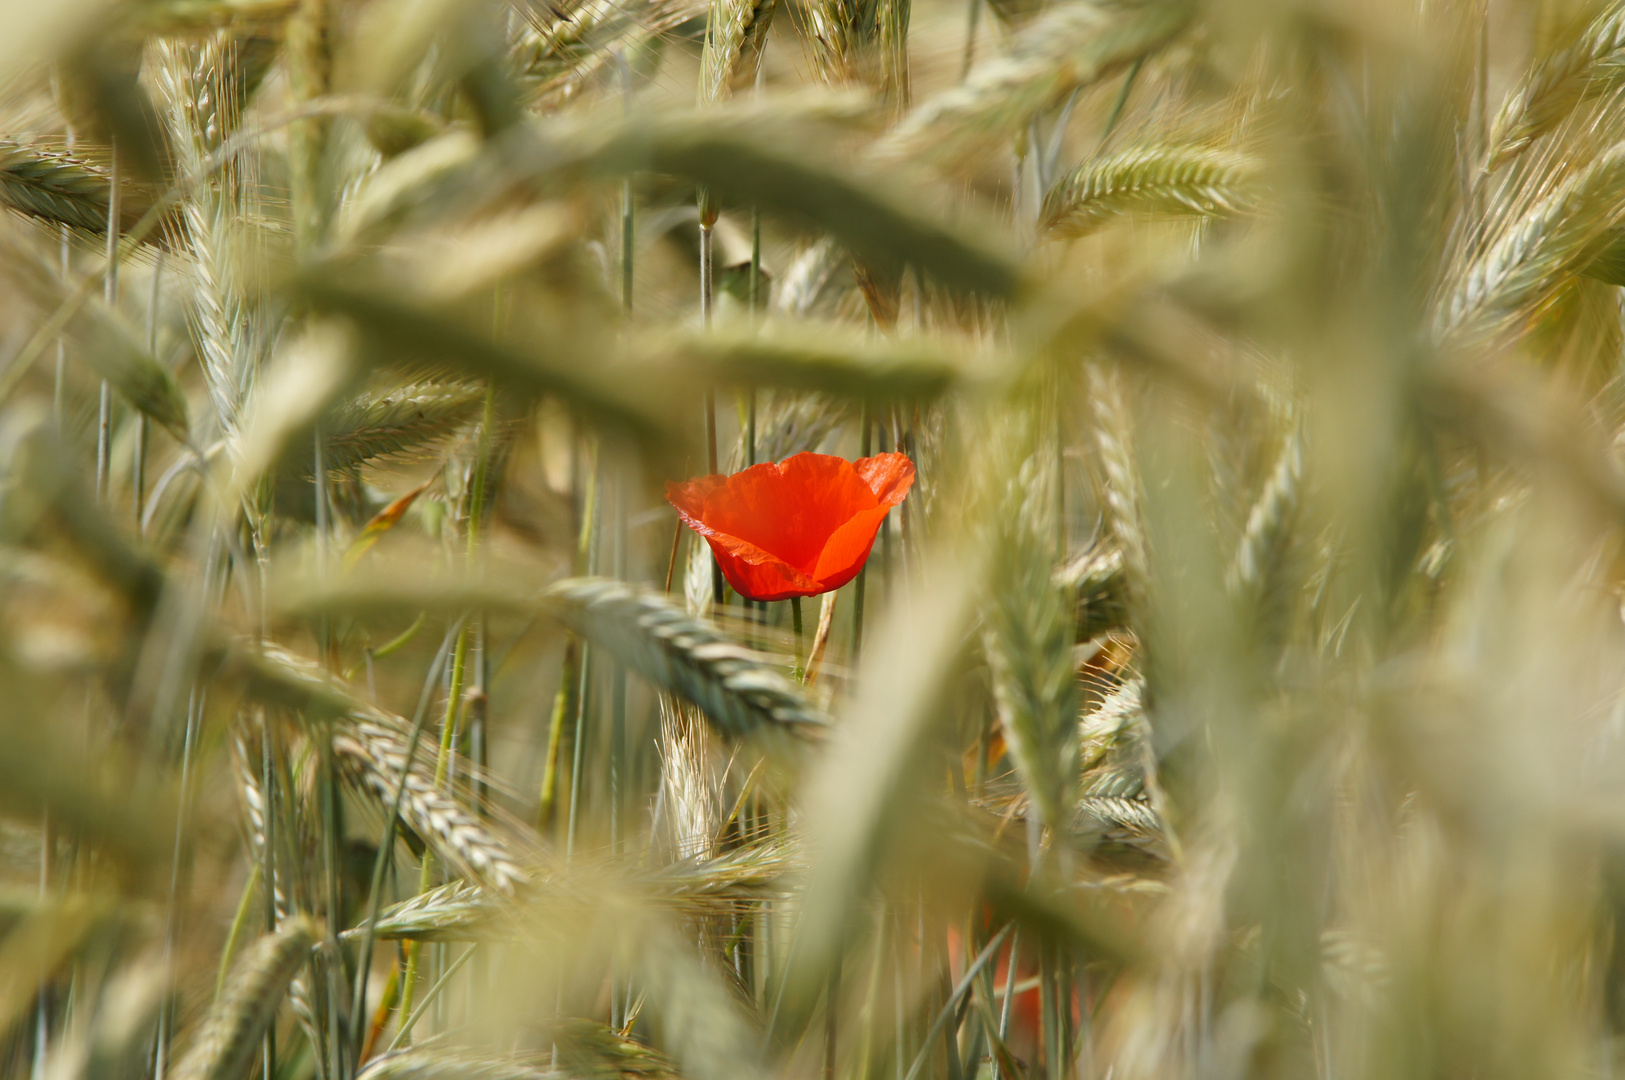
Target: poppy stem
(795, 619)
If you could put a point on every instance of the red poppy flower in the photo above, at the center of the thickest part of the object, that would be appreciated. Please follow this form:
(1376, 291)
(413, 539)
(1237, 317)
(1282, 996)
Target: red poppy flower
(798, 528)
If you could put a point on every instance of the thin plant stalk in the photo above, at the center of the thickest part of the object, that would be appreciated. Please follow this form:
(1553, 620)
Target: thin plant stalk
(628, 208)
(707, 304)
(950, 1006)
(338, 1043)
(759, 610)
(194, 709)
(58, 385)
(671, 562)
(832, 1018)
(548, 801)
(575, 654)
(795, 621)
(104, 411)
(587, 554)
(1122, 100)
(402, 1037)
(459, 675)
(755, 297)
(268, 1055)
(970, 39)
(386, 844)
(617, 713)
(1006, 1005)
(42, 1006)
(139, 466)
(239, 926)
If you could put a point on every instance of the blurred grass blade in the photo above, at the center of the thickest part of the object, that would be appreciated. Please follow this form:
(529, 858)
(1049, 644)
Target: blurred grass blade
(403, 329)
(703, 1028)
(101, 338)
(859, 798)
(37, 946)
(44, 488)
(828, 360)
(303, 378)
(436, 1063)
(744, 158)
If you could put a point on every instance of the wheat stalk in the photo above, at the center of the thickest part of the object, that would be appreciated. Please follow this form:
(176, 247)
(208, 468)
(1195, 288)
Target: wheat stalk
(402, 420)
(1269, 520)
(736, 35)
(230, 1034)
(1070, 46)
(740, 692)
(1520, 269)
(1119, 480)
(370, 746)
(55, 186)
(1157, 179)
(1593, 64)
(455, 911)
(371, 753)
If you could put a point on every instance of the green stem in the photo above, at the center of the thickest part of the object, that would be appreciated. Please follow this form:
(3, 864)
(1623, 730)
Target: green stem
(586, 561)
(268, 803)
(970, 39)
(950, 1006)
(617, 712)
(104, 410)
(386, 843)
(547, 804)
(338, 1038)
(1122, 100)
(448, 731)
(402, 1036)
(405, 636)
(707, 302)
(832, 1011)
(239, 924)
(795, 619)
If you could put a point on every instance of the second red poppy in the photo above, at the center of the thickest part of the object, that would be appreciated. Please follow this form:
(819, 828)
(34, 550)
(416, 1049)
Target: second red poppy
(801, 527)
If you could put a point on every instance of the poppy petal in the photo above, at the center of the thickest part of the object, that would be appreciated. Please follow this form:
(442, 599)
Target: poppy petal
(764, 564)
(752, 572)
(889, 476)
(799, 527)
(790, 508)
(767, 580)
(848, 548)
